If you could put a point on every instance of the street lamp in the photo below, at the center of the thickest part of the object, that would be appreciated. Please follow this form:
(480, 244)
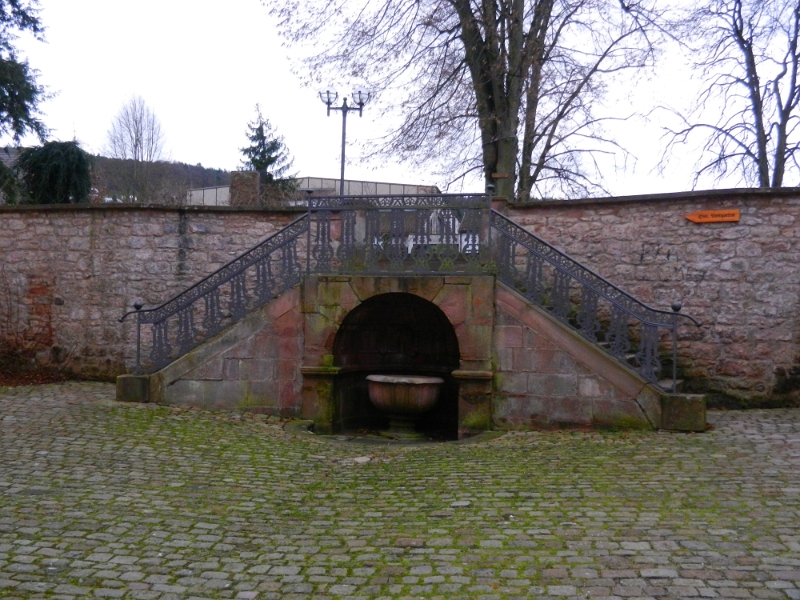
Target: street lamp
(360, 97)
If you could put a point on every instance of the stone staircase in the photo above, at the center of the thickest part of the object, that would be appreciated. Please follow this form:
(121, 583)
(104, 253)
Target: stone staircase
(249, 335)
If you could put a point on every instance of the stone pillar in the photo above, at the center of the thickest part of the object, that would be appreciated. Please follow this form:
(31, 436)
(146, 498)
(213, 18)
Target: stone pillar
(244, 188)
(318, 397)
(474, 402)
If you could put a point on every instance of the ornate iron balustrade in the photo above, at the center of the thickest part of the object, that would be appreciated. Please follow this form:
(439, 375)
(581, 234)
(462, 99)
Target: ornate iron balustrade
(602, 313)
(446, 234)
(221, 299)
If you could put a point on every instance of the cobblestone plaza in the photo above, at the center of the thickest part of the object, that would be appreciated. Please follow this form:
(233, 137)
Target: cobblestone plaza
(100, 499)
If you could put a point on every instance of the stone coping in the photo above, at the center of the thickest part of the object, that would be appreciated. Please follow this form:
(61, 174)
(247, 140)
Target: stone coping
(471, 374)
(689, 196)
(122, 207)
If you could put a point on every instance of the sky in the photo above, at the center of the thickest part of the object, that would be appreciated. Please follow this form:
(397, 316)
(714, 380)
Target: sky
(202, 67)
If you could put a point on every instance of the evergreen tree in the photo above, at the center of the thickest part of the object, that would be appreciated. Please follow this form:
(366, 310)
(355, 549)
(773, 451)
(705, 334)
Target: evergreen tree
(267, 154)
(20, 94)
(56, 173)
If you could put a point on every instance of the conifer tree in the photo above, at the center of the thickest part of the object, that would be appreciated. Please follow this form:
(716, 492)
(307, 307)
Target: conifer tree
(55, 173)
(20, 94)
(267, 155)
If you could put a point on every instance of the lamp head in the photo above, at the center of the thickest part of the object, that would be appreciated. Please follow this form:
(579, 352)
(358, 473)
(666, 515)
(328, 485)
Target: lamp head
(360, 96)
(328, 96)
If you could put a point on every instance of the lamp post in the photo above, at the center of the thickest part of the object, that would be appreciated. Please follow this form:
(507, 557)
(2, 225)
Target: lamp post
(360, 97)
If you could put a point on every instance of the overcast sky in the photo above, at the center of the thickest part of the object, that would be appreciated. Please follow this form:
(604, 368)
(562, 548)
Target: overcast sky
(202, 67)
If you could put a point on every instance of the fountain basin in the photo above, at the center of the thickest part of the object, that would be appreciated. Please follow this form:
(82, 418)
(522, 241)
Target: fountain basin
(403, 399)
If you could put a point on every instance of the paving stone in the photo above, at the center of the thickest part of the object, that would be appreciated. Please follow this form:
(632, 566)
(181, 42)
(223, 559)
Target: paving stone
(101, 499)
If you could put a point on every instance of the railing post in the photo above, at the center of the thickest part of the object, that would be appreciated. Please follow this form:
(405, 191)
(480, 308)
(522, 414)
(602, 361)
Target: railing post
(676, 308)
(138, 306)
(486, 224)
(308, 238)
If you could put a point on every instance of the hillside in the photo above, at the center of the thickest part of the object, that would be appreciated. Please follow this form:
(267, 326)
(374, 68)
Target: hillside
(159, 182)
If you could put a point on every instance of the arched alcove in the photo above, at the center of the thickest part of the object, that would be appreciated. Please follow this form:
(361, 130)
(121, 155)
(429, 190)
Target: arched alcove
(392, 334)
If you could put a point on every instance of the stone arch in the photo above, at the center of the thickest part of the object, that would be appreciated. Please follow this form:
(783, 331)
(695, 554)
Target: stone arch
(395, 333)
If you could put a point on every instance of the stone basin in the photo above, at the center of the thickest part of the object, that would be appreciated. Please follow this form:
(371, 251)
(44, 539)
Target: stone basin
(403, 399)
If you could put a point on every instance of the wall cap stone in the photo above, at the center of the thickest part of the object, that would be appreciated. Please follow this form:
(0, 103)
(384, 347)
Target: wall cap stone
(467, 374)
(690, 196)
(83, 207)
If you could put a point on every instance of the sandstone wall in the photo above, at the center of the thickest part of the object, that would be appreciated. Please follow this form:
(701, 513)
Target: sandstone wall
(69, 272)
(740, 279)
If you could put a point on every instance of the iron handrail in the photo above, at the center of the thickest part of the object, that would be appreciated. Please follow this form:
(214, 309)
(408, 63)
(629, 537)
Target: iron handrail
(223, 274)
(584, 274)
(593, 287)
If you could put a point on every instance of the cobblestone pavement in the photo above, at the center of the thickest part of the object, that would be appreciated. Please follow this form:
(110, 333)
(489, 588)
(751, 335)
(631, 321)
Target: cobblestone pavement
(105, 500)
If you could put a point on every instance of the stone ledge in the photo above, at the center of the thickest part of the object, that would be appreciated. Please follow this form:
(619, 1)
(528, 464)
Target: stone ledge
(319, 371)
(467, 374)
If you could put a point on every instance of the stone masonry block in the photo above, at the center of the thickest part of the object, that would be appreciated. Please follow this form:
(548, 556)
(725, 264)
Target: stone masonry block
(515, 412)
(567, 411)
(288, 370)
(649, 399)
(453, 300)
(283, 304)
(512, 383)
(224, 395)
(256, 369)
(211, 370)
(553, 385)
(504, 359)
(187, 393)
(230, 368)
(551, 361)
(474, 342)
(336, 293)
(508, 336)
(244, 349)
(133, 388)
(625, 414)
(683, 412)
(594, 386)
(291, 399)
(482, 296)
(425, 287)
(263, 394)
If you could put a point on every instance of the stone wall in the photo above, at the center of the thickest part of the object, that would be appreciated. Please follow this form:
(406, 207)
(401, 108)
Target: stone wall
(740, 279)
(68, 273)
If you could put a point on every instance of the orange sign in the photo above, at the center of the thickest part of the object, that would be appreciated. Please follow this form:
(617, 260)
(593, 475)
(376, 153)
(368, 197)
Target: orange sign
(727, 215)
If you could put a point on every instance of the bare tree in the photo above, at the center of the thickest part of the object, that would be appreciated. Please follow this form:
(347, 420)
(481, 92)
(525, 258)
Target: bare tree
(136, 136)
(506, 87)
(750, 63)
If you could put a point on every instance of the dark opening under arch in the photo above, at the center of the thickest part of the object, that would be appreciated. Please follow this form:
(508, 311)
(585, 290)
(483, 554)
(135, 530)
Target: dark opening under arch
(393, 334)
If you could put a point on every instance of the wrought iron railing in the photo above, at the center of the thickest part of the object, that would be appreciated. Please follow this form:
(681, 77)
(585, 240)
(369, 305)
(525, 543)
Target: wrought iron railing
(445, 234)
(221, 299)
(602, 313)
